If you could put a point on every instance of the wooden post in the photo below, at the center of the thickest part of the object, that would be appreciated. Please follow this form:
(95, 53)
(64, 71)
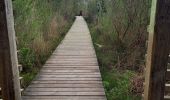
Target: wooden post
(9, 75)
(158, 50)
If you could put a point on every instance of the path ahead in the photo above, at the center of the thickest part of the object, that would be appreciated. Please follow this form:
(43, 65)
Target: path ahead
(72, 72)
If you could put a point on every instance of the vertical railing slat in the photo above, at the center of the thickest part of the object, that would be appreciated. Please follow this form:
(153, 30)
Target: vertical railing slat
(9, 74)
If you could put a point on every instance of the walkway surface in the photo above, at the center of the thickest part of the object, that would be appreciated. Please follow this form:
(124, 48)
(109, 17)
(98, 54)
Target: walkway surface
(72, 72)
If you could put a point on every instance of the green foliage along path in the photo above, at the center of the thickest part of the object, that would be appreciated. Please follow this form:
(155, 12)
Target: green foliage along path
(119, 32)
(72, 71)
(118, 29)
(40, 26)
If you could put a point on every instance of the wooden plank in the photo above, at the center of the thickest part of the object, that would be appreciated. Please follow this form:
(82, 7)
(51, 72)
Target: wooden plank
(72, 60)
(158, 50)
(64, 93)
(64, 98)
(65, 89)
(54, 57)
(168, 75)
(168, 66)
(0, 92)
(166, 97)
(92, 85)
(74, 51)
(67, 82)
(69, 76)
(167, 88)
(75, 48)
(67, 57)
(9, 75)
(72, 67)
(76, 44)
(69, 79)
(20, 67)
(61, 67)
(69, 73)
(73, 64)
(70, 54)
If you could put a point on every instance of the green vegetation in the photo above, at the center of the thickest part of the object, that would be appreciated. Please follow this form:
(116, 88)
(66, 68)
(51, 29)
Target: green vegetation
(119, 32)
(40, 26)
(117, 85)
(118, 29)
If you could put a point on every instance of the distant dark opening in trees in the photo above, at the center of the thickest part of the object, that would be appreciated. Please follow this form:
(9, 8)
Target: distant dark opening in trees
(81, 13)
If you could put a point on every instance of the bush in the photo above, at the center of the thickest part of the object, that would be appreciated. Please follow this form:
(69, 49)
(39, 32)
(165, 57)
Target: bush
(119, 33)
(26, 58)
(40, 26)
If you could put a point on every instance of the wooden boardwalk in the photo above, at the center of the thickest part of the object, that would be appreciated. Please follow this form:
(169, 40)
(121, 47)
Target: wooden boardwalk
(72, 72)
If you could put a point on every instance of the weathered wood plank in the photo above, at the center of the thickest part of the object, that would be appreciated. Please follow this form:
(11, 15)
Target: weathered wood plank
(168, 75)
(67, 82)
(70, 73)
(73, 64)
(67, 57)
(168, 66)
(65, 89)
(166, 97)
(69, 79)
(64, 93)
(64, 98)
(69, 76)
(73, 60)
(69, 68)
(158, 50)
(9, 75)
(72, 67)
(92, 85)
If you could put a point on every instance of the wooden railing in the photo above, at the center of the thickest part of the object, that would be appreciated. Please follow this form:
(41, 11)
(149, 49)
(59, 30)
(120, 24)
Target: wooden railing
(9, 74)
(20, 68)
(158, 50)
(167, 84)
(0, 93)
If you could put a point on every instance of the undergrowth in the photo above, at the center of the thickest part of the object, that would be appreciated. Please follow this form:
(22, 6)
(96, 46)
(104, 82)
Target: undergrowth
(117, 82)
(118, 29)
(40, 27)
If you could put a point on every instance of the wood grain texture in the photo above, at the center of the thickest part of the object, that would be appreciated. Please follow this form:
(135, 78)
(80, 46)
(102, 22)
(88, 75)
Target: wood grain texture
(64, 98)
(158, 50)
(9, 75)
(72, 71)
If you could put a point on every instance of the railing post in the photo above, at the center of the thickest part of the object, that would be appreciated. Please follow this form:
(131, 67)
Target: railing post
(9, 75)
(158, 50)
